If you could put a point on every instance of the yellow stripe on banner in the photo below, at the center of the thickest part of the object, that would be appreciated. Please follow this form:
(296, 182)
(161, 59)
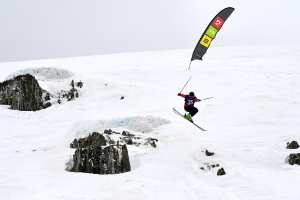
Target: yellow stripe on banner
(205, 41)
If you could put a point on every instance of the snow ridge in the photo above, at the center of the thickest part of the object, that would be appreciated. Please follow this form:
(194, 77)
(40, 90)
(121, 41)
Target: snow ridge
(44, 73)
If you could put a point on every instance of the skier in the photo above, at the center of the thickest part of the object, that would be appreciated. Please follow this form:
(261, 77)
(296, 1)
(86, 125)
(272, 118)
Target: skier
(189, 101)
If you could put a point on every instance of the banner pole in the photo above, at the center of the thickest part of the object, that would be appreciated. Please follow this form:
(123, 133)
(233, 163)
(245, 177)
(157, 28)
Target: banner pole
(186, 84)
(190, 65)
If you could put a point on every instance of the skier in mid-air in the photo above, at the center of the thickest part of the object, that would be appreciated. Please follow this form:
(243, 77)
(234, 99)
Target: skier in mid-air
(189, 101)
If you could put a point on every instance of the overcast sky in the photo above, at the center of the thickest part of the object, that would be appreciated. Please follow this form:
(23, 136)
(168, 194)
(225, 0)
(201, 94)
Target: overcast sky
(35, 29)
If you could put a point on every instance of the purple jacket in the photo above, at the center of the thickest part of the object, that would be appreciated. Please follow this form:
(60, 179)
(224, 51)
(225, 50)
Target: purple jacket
(189, 100)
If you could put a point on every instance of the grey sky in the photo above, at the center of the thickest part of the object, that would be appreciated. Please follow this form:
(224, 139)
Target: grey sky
(34, 29)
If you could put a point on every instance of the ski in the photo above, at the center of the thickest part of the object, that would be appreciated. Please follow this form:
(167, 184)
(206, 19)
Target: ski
(178, 113)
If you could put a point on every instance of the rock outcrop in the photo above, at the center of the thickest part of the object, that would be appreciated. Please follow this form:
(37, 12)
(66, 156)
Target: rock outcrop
(221, 172)
(208, 153)
(112, 159)
(94, 139)
(22, 93)
(106, 153)
(294, 158)
(93, 156)
(292, 145)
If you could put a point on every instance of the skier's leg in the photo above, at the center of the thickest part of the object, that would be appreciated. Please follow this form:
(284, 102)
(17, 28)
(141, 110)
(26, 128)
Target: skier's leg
(193, 111)
(188, 115)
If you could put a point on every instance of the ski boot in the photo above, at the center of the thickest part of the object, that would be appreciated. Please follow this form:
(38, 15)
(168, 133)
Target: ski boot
(188, 117)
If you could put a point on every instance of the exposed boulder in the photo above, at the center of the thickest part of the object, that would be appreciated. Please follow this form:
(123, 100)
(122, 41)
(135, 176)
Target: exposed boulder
(112, 159)
(221, 172)
(93, 156)
(22, 93)
(208, 153)
(106, 153)
(292, 145)
(79, 84)
(294, 158)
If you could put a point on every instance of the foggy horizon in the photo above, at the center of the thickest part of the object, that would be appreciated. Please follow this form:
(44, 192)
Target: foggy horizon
(38, 30)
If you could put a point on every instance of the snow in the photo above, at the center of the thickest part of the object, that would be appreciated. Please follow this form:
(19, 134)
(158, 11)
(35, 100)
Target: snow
(254, 112)
(142, 124)
(44, 73)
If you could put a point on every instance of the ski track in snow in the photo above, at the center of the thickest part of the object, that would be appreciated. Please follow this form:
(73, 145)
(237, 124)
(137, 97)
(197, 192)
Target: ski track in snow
(253, 114)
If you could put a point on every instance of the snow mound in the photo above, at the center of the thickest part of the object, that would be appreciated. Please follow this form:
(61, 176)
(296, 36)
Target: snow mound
(44, 73)
(140, 124)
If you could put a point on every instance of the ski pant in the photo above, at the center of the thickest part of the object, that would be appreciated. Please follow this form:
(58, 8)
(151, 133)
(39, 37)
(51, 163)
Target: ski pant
(191, 109)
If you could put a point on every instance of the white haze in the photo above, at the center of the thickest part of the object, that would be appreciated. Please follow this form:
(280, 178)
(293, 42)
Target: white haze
(58, 28)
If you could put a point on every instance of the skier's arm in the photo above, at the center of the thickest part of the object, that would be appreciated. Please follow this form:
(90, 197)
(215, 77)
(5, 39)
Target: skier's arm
(197, 100)
(181, 95)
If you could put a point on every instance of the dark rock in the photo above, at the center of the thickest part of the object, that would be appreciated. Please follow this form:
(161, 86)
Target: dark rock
(209, 166)
(47, 105)
(151, 141)
(292, 145)
(93, 156)
(128, 141)
(153, 144)
(22, 93)
(71, 94)
(98, 160)
(122, 97)
(74, 144)
(221, 172)
(125, 163)
(294, 158)
(47, 97)
(207, 153)
(79, 84)
(94, 139)
(72, 84)
(110, 141)
(108, 131)
(125, 133)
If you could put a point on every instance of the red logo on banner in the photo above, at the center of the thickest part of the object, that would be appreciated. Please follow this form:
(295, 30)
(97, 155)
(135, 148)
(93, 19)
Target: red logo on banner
(218, 22)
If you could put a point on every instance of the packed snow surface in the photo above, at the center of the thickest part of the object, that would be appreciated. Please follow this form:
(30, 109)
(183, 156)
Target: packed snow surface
(44, 73)
(254, 112)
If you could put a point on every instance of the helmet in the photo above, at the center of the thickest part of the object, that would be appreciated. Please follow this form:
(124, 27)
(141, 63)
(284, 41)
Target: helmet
(192, 94)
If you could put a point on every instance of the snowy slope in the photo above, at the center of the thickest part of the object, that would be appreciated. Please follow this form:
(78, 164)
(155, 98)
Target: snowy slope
(254, 112)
